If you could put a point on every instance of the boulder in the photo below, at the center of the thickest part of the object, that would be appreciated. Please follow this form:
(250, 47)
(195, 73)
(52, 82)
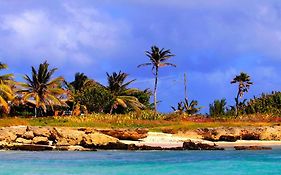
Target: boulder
(67, 136)
(7, 136)
(250, 135)
(229, 138)
(97, 139)
(41, 140)
(29, 147)
(126, 134)
(271, 133)
(72, 148)
(28, 135)
(3, 144)
(208, 133)
(16, 130)
(189, 145)
(39, 131)
(24, 141)
(251, 148)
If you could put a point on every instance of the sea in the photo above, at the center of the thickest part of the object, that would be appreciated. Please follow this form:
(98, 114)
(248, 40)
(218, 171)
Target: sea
(141, 163)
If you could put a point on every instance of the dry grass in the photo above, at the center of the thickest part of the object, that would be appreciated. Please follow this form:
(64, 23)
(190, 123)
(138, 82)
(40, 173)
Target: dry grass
(13, 121)
(127, 121)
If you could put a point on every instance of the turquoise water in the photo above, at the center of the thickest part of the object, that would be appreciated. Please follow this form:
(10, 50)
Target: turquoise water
(141, 163)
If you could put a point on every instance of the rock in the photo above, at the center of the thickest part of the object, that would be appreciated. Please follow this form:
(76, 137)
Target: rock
(67, 136)
(29, 147)
(250, 135)
(17, 130)
(229, 138)
(208, 133)
(271, 133)
(39, 131)
(28, 135)
(41, 140)
(251, 148)
(132, 147)
(3, 144)
(7, 136)
(199, 146)
(24, 141)
(204, 146)
(190, 146)
(97, 139)
(62, 142)
(87, 130)
(123, 134)
(72, 148)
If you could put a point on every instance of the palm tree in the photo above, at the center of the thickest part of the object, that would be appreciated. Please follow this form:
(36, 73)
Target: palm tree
(158, 58)
(41, 90)
(244, 83)
(122, 95)
(79, 81)
(6, 92)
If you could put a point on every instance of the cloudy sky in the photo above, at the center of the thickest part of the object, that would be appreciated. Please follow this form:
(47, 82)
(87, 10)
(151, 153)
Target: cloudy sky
(213, 40)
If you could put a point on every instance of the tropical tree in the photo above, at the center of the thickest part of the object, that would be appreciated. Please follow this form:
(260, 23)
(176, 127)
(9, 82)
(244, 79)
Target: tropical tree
(186, 107)
(158, 58)
(218, 108)
(6, 92)
(244, 82)
(95, 97)
(122, 95)
(79, 81)
(41, 90)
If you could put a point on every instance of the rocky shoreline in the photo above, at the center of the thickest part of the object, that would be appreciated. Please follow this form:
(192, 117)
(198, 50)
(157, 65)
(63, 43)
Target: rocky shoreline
(31, 138)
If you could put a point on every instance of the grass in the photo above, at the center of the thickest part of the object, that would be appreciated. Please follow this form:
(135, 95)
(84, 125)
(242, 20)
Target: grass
(103, 121)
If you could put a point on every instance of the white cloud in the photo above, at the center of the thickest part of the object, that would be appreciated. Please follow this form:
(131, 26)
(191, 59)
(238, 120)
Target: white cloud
(38, 34)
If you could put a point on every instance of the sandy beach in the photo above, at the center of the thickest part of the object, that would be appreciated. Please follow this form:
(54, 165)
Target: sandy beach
(171, 141)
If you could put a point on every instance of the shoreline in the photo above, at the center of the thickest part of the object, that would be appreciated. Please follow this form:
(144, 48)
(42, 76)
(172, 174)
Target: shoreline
(32, 138)
(157, 139)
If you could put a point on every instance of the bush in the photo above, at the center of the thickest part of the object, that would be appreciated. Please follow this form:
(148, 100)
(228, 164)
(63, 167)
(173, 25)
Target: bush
(95, 97)
(266, 104)
(218, 108)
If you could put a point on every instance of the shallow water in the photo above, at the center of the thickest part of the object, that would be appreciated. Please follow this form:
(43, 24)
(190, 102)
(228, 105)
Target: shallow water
(140, 163)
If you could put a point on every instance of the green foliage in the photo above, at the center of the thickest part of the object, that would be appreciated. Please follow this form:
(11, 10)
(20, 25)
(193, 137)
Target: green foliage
(187, 108)
(266, 104)
(218, 108)
(41, 90)
(144, 97)
(122, 95)
(80, 80)
(6, 90)
(95, 97)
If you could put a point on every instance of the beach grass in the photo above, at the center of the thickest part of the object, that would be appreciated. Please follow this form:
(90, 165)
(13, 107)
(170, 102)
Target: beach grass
(118, 121)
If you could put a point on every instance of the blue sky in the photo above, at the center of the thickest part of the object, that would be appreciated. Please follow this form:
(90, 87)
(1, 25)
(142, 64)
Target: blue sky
(213, 40)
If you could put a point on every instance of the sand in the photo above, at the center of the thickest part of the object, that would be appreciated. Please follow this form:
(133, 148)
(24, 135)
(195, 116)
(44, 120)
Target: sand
(170, 141)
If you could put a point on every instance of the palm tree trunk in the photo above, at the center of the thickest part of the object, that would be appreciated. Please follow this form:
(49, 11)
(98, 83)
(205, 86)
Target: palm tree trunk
(155, 89)
(111, 109)
(35, 111)
(237, 103)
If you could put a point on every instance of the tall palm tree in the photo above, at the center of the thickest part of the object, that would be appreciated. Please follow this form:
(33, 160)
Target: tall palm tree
(6, 92)
(244, 82)
(41, 90)
(122, 95)
(158, 58)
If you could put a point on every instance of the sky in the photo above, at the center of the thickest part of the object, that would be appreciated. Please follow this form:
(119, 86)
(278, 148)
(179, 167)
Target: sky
(213, 41)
